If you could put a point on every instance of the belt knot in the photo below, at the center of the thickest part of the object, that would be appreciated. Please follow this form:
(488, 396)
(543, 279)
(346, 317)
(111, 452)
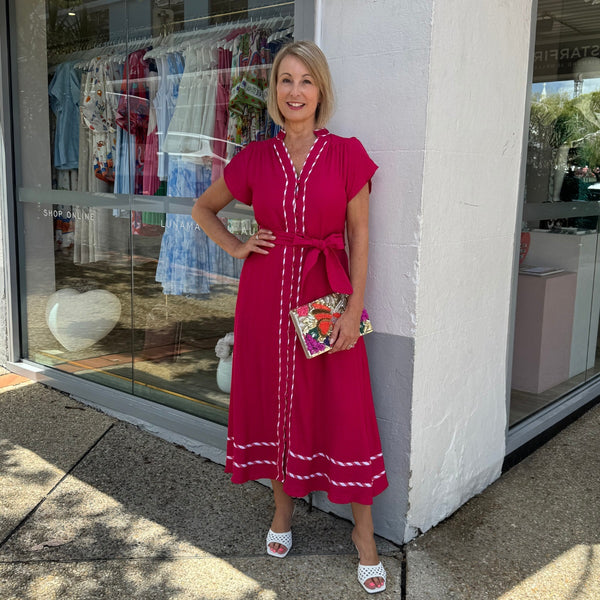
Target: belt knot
(336, 273)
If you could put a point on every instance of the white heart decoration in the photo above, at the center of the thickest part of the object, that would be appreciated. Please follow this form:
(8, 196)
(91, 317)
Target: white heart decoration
(77, 320)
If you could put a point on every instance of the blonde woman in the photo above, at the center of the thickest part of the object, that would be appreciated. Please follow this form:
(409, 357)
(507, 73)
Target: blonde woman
(304, 424)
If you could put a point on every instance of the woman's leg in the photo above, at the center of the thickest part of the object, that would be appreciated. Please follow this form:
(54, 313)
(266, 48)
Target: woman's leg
(282, 520)
(362, 536)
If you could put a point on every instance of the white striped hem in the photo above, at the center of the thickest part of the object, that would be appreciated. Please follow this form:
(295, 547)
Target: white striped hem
(338, 483)
(355, 463)
(244, 446)
(250, 463)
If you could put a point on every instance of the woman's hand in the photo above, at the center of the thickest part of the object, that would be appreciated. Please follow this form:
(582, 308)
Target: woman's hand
(346, 331)
(205, 211)
(258, 243)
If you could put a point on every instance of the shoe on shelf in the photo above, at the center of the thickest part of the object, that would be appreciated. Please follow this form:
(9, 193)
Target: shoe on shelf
(285, 539)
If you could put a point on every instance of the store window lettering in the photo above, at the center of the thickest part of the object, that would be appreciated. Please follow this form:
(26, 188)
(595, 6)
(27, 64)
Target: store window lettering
(566, 53)
(68, 214)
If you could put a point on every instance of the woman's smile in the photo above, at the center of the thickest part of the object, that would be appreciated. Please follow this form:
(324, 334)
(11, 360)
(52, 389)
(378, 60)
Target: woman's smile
(297, 93)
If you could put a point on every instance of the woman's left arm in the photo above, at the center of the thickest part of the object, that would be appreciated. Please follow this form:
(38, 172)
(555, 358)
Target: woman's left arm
(346, 330)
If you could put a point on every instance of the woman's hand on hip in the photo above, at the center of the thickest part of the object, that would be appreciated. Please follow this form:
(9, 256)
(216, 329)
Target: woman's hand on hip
(260, 243)
(346, 331)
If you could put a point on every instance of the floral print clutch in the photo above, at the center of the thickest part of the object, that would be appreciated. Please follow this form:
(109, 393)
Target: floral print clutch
(314, 322)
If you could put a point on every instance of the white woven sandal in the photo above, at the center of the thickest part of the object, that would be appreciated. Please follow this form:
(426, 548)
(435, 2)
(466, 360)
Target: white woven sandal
(367, 572)
(285, 539)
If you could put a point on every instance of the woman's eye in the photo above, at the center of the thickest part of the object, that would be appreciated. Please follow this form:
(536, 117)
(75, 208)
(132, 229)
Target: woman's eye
(308, 81)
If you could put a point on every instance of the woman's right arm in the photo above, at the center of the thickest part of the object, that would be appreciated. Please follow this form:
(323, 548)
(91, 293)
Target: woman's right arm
(204, 212)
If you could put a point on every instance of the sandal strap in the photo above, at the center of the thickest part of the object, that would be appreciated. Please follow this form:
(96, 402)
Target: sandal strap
(369, 571)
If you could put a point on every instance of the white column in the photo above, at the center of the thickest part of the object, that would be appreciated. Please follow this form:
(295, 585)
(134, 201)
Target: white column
(379, 58)
(473, 152)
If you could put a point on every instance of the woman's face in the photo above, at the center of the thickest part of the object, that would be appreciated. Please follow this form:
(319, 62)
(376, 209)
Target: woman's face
(297, 92)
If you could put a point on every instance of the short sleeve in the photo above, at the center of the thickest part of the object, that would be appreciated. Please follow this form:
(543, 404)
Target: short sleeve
(236, 175)
(360, 168)
(55, 91)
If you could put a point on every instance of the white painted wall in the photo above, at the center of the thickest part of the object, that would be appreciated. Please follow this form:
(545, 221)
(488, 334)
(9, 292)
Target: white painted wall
(473, 151)
(378, 52)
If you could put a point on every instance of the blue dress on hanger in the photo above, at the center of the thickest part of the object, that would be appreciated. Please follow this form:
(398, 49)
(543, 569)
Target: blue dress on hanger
(189, 262)
(64, 91)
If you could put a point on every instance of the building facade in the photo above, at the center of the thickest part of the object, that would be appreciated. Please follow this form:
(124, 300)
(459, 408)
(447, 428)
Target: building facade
(482, 118)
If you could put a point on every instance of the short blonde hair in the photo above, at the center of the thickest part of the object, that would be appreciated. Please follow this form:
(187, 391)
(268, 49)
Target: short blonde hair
(312, 56)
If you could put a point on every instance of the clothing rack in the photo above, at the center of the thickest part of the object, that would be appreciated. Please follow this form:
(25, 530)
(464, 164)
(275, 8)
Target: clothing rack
(173, 41)
(180, 40)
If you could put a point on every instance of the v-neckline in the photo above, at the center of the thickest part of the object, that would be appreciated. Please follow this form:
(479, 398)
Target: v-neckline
(318, 134)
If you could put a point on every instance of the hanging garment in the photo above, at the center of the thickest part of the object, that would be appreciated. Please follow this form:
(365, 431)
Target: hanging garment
(98, 110)
(190, 262)
(221, 112)
(249, 79)
(307, 423)
(134, 110)
(150, 180)
(64, 92)
(94, 232)
(170, 70)
(191, 128)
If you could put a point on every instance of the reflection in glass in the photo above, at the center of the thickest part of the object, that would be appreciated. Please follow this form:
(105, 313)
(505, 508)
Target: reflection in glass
(558, 297)
(139, 108)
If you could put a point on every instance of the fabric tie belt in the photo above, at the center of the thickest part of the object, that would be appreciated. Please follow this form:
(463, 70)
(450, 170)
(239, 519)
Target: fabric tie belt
(336, 274)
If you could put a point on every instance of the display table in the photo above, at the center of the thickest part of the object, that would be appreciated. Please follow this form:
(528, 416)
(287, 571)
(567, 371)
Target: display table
(543, 331)
(575, 253)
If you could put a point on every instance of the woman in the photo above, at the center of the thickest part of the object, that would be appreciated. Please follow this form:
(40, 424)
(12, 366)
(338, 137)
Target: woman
(304, 424)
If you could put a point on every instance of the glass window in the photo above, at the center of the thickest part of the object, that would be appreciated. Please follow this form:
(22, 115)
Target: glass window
(126, 111)
(558, 298)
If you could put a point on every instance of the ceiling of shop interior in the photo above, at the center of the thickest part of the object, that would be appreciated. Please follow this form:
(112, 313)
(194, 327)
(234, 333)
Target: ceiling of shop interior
(561, 20)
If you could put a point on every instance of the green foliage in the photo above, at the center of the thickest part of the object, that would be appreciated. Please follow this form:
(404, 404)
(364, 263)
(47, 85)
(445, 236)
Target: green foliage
(557, 120)
(588, 153)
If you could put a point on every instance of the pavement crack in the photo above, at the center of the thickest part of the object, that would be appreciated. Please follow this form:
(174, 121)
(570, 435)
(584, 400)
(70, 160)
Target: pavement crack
(20, 524)
(403, 571)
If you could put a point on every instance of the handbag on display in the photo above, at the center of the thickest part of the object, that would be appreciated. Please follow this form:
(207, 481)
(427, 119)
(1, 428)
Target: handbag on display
(314, 322)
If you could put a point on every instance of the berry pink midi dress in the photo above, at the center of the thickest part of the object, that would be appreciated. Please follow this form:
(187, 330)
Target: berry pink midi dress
(309, 423)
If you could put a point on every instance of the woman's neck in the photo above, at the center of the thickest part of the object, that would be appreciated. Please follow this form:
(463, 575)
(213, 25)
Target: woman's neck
(297, 133)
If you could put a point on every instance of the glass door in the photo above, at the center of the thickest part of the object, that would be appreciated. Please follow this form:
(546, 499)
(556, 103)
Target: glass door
(74, 238)
(127, 111)
(558, 298)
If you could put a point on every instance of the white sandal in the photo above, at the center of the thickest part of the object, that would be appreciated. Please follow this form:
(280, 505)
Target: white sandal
(285, 539)
(368, 572)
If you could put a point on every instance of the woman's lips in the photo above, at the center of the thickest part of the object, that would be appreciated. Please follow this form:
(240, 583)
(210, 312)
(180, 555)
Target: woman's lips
(295, 105)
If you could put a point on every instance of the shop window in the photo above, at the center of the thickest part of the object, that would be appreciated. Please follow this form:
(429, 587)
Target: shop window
(126, 112)
(558, 303)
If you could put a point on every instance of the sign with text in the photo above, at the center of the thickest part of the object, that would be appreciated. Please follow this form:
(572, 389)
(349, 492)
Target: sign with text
(557, 62)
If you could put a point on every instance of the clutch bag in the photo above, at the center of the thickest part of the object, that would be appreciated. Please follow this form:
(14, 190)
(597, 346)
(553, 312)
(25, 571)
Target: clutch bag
(314, 322)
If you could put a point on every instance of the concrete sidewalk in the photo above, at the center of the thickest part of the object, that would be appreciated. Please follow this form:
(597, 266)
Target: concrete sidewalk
(532, 535)
(94, 508)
